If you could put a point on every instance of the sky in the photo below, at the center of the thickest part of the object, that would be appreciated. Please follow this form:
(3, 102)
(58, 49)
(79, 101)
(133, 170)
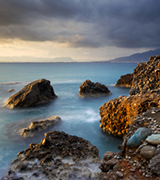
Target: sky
(82, 30)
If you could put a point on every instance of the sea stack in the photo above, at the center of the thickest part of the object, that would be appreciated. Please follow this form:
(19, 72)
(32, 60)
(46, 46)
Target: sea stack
(91, 89)
(33, 94)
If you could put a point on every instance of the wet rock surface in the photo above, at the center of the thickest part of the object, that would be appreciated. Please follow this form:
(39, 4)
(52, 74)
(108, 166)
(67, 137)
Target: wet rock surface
(57, 156)
(38, 126)
(35, 93)
(131, 162)
(125, 80)
(91, 89)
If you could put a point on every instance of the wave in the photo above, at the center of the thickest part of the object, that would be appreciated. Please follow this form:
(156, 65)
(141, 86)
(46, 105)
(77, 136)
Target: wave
(10, 83)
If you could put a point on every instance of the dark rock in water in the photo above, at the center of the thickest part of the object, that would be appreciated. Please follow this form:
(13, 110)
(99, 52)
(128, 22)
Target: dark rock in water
(38, 126)
(146, 76)
(90, 89)
(35, 93)
(125, 80)
(11, 90)
(137, 138)
(57, 156)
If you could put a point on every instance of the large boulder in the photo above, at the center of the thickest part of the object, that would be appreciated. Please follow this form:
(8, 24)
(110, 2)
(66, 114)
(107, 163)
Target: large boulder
(146, 76)
(91, 89)
(33, 94)
(119, 113)
(125, 80)
(57, 156)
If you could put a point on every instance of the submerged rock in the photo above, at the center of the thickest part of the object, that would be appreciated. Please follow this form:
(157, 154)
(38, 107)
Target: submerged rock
(125, 80)
(90, 89)
(38, 126)
(57, 156)
(35, 93)
(137, 138)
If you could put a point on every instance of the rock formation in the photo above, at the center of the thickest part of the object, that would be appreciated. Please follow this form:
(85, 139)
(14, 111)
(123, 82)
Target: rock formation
(38, 126)
(57, 156)
(146, 76)
(119, 113)
(136, 162)
(125, 80)
(90, 89)
(35, 93)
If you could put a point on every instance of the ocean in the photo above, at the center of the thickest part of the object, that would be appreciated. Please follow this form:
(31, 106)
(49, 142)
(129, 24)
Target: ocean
(80, 116)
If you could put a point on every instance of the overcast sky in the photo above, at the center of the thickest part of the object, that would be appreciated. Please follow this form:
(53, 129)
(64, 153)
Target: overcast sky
(84, 30)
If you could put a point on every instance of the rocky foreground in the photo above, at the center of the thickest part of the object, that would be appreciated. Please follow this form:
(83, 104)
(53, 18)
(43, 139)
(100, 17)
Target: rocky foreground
(33, 94)
(91, 89)
(139, 158)
(58, 156)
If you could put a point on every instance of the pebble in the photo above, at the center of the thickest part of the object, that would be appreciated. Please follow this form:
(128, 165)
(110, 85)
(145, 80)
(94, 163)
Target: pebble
(148, 152)
(153, 139)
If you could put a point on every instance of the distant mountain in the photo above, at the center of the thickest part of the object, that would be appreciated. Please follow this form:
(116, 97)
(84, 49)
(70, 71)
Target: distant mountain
(35, 59)
(138, 57)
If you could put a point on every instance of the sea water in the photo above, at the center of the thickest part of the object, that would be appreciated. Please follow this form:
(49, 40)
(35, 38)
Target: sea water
(80, 116)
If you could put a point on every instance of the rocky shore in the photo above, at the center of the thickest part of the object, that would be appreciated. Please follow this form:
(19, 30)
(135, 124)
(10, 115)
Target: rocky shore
(91, 89)
(136, 118)
(125, 81)
(57, 156)
(33, 94)
(139, 157)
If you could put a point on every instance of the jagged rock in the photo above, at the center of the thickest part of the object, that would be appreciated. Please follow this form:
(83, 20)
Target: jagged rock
(146, 76)
(136, 139)
(148, 151)
(57, 156)
(118, 114)
(38, 126)
(35, 93)
(90, 89)
(125, 80)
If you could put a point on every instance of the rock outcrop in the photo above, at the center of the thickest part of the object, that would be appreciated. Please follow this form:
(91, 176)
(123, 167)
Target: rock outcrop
(140, 162)
(146, 76)
(119, 113)
(39, 126)
(35, 93)
(91, 89)
(57, 156)
(125, 80)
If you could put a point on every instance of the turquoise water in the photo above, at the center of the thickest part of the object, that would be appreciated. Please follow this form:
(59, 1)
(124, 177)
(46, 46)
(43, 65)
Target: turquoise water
(80, 116)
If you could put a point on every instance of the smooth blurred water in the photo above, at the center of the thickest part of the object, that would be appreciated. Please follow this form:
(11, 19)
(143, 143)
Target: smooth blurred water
(80, 116)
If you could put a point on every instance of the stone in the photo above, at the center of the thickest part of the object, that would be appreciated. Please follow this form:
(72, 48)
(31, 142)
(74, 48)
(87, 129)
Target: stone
(154, 163)
(153, 139)
(38, 126)
(137, 138)
(57, 156)
(33, 94)
(91, 89)
(125, 80)
(118, 114)
(148, 152)
(146, 76)
(119, 174)
(11, 90)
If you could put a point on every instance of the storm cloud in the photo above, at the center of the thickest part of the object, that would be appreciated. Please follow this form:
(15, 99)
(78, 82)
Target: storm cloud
(83, 23)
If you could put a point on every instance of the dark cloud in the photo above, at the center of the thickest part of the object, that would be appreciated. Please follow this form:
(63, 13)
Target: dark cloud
(82, 23)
